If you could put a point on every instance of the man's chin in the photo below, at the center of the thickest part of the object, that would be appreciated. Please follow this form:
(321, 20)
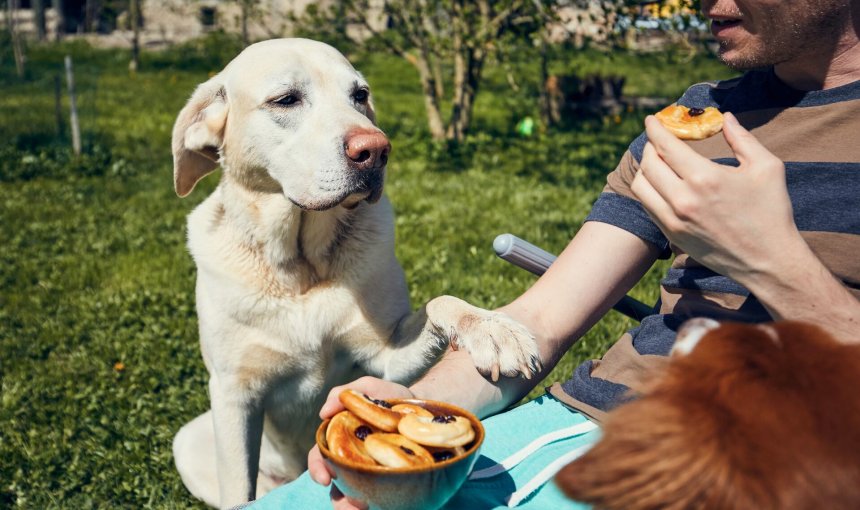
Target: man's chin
(736, 61)
(748, 55)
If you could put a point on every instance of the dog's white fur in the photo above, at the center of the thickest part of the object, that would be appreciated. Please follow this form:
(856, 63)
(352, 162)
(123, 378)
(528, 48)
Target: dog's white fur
(298, 288)
(690, 334)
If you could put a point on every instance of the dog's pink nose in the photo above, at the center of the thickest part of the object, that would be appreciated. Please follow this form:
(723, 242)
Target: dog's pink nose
(366, 149)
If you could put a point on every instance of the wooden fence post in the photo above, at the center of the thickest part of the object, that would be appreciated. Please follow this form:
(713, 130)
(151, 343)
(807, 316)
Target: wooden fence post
(58, 105)
(135, 39)
(73, 107)
(17, 38)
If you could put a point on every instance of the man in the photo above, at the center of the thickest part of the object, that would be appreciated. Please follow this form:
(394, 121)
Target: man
(764, 226)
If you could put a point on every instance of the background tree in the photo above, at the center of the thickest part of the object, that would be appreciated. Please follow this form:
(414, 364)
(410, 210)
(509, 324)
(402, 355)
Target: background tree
(15, 36)
(450, 42)
(59, 6)
(447, 42)
(38, 7)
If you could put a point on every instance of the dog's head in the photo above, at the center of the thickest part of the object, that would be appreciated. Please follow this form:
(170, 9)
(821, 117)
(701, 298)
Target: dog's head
(744, 416)
(287, 116)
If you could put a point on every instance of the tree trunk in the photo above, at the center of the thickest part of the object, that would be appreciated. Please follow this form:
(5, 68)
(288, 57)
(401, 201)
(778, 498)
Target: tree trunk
(39, 18)
(458, 47)
(468, 69)
(468, 63)
(431, 100)
(90, 7)
(58, 6)
(438, 81)
(17, 41)
(547, 115)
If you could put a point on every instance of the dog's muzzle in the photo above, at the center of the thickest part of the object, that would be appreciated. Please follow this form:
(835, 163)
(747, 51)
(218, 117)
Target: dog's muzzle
(366, 151)
(370, 182)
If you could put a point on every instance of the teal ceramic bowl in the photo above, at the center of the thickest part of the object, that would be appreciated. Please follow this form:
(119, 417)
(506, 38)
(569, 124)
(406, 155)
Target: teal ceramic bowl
(424, 488)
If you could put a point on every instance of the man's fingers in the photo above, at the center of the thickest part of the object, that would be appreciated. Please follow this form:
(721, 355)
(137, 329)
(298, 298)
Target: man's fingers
(677, 154)
(317, 468)
(742, 142)
(332, 404)
(369, 385)
(341, 502)
(656, 206)
(659, 174)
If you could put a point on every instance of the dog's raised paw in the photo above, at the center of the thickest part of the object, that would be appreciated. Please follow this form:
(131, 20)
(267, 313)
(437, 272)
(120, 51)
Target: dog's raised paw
(498, 344)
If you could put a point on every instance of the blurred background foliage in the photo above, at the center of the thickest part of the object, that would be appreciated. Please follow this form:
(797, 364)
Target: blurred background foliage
(99, 356)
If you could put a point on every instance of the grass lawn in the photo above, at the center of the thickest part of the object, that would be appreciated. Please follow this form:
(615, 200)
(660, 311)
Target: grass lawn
(99, 356)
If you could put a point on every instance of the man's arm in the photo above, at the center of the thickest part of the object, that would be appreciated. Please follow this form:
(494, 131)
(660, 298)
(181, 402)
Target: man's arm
(597, 268)
(798, 287)
(739, 223)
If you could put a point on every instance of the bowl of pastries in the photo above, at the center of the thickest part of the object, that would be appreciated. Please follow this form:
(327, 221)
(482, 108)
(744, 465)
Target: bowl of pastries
(399, 453)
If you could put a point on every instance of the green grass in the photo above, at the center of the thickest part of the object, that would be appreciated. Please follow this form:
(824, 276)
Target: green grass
(94, 272)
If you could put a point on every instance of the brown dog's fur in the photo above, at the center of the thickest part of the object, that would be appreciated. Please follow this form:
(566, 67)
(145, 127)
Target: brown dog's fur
(755, 417)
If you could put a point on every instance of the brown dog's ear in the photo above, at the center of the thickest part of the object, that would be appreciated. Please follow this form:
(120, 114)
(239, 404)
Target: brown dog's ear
(198, 134)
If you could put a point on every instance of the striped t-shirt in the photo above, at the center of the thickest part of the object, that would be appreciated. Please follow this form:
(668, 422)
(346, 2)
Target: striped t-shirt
(817, 135)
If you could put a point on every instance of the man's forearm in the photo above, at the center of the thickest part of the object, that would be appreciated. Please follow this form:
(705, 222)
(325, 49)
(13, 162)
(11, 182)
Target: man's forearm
(800, 287)
(596, 269)
(454, 379)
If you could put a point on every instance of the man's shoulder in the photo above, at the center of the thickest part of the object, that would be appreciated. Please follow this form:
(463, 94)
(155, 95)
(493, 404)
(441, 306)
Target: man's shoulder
(727, 84)
(710, 93)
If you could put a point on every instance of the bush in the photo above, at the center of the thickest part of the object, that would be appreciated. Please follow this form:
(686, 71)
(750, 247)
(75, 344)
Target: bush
(27, 160)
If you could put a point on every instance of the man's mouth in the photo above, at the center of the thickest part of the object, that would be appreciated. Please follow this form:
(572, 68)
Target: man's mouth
(723, 25)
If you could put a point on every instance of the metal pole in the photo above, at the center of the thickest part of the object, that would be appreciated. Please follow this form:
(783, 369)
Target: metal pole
(536, 261)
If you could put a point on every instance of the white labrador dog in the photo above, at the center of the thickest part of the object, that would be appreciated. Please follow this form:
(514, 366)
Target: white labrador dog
(298, 288)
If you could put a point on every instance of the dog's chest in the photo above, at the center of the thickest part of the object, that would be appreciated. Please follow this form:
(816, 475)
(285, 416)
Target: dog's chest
(264, 336)
(270, 252)
(301, 324)
(276, 307)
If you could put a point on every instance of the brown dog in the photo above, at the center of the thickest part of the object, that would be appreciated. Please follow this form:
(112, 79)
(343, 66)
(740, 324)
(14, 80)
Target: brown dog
(758, 417)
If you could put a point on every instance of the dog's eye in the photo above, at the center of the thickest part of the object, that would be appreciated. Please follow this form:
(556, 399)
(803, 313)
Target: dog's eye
(287, 100)
(361, 96)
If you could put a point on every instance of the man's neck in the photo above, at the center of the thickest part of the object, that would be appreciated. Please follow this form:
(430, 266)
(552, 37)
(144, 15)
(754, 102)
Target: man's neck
(840, 70)
(829, 67)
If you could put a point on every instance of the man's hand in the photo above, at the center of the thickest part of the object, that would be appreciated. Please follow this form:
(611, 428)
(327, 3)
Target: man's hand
(737, 221)
(317, 467)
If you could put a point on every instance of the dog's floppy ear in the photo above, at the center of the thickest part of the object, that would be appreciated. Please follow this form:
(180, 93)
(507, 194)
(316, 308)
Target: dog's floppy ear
(645, 460)
(198, 134)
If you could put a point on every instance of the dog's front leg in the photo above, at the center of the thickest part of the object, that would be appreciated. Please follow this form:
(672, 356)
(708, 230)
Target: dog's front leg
(238, 421)
(497, 343)
(414, 346)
